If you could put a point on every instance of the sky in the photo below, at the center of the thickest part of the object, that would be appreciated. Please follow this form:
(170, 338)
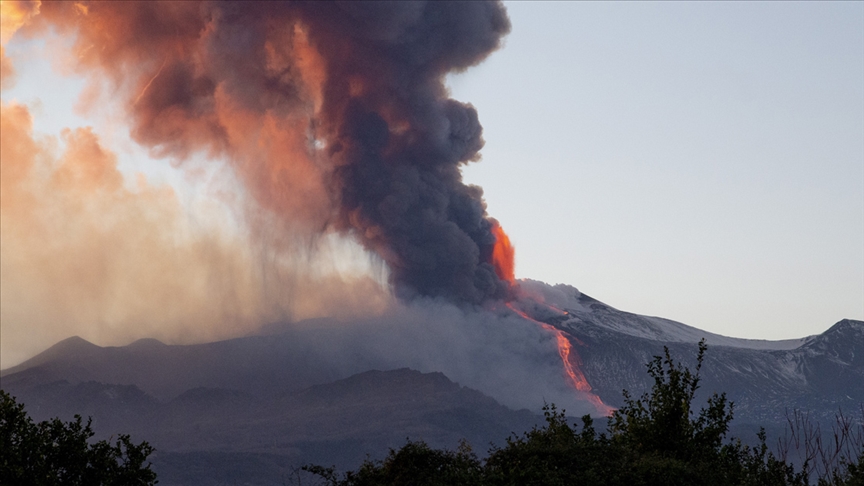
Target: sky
(698, 161)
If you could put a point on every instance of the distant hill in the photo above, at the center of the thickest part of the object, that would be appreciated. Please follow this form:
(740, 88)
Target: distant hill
(218, 435)
(259, 365)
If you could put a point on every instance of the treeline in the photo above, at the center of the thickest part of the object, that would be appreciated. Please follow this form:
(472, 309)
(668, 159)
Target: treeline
(657, 439)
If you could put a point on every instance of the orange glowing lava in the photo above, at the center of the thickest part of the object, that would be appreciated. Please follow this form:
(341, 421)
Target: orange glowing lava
(503, 254)
(572, 362)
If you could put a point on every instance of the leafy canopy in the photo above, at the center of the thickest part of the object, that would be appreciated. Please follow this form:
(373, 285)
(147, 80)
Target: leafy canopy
(54, 452)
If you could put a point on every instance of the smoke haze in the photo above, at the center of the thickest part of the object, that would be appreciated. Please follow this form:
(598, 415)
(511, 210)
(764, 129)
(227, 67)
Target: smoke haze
(84, 254)
(510, 359)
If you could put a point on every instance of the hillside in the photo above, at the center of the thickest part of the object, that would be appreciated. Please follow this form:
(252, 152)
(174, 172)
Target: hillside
(330, 392)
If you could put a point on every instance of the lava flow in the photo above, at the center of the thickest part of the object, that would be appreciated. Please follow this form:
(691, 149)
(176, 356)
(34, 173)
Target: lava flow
(570, 359)
(503, 261)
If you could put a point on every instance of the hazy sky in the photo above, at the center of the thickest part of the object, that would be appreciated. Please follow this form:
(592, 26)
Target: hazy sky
(693, 160)
(698, 161)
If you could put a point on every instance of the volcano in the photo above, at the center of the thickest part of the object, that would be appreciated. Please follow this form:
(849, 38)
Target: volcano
(334, 120)
(321, 391)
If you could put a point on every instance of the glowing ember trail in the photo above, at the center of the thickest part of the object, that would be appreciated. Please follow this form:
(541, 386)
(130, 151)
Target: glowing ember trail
(502, 259)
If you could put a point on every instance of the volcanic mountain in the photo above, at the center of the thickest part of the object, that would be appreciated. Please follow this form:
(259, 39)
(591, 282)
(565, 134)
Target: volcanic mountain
(323, 391)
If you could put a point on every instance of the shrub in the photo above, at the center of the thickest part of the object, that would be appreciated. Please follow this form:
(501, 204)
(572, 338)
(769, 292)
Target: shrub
(54, 452)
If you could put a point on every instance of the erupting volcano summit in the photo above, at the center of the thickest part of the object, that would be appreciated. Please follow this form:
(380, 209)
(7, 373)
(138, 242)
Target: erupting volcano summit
(334, 115)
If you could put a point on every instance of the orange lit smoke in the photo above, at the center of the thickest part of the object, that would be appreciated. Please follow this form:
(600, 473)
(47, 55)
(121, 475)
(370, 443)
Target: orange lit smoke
(13, 16)
(503, 254)
(572, 363)
(182, 102)
(86, 251)
(334, 117)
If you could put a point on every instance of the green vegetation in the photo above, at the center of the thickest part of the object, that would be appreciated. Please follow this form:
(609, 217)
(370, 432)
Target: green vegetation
(54, 452)
(657, 439)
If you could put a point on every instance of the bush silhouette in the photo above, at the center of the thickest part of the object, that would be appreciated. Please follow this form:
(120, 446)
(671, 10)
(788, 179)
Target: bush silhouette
(54, 452)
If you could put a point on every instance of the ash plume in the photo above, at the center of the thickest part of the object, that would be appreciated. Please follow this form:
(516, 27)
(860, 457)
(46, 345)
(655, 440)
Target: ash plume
(334, 117)
(334, 114)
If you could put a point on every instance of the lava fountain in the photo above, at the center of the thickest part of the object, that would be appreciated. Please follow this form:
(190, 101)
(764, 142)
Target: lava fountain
(503, 255)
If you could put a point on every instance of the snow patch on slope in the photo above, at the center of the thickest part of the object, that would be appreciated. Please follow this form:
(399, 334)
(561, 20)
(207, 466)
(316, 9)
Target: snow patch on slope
(584, 309)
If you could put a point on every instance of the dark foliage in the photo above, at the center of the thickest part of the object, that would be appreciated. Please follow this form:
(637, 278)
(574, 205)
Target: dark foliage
(54, 452)
(414, 463)
(657, 439)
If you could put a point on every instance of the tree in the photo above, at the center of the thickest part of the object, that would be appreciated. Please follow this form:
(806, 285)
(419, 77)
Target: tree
(557, 454)
(663, 422)
(668, 443)
(416, 464)
(54, 452)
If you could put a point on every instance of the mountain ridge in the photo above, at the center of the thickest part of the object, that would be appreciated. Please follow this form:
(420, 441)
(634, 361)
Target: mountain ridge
(329, 392)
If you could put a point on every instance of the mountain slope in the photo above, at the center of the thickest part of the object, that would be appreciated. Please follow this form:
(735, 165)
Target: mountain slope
(821, 374)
